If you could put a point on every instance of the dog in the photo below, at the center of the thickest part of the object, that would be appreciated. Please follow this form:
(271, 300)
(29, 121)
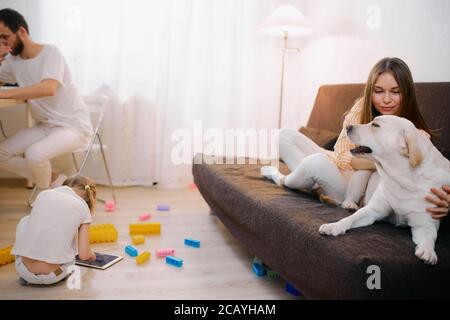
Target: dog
(409, 165)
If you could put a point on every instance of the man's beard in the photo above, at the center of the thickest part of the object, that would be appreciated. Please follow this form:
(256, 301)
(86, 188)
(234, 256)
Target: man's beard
(18, 47)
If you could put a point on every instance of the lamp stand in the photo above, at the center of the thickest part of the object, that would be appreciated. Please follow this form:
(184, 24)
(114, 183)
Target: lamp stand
(286, 50)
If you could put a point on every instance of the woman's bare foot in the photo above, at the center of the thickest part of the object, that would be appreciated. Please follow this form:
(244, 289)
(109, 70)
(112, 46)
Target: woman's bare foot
(327, 199)
(324, 198)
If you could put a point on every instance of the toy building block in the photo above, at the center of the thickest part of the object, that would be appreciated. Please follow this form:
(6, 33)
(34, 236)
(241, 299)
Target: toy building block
(131, 251)
(138, 239)
(102, 233)
(271, 274)
(192, 186)
(145, 216)
(292, 290)
(145, 228)
(143, 257)
(6, 256)
(174, 261)
(192, 243)
(258, 269)
(163, 207)
(110, 206)
(162, 253)
(257, 260)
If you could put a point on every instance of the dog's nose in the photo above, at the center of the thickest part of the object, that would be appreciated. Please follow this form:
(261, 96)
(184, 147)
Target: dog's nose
(349, 129)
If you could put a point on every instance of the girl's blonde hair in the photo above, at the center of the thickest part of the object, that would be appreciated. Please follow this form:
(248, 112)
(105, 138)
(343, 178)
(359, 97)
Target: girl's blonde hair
(409, 108)
(85, 188)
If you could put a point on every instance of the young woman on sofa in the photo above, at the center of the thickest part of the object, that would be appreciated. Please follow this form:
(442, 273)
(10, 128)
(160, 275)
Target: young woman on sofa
(389, 91)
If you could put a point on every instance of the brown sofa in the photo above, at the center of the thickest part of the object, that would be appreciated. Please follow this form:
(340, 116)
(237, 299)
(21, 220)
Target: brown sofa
(280, 226)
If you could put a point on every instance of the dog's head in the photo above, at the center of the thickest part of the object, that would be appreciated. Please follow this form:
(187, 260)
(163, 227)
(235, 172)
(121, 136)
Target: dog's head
(385, 138)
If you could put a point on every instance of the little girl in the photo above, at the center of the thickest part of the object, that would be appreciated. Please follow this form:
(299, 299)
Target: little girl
(46, 240)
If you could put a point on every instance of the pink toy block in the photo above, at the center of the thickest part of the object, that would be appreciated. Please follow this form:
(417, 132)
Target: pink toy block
(162, 253)
(192, 186)
(110, 206)
(145, 216)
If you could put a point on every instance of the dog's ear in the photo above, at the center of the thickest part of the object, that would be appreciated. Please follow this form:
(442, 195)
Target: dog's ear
(410, 147)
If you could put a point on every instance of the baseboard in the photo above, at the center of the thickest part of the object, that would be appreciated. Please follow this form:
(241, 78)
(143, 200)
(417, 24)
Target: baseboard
(13, 182)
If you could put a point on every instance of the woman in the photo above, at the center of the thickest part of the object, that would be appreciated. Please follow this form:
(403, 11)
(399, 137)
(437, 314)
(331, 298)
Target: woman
(389, 91)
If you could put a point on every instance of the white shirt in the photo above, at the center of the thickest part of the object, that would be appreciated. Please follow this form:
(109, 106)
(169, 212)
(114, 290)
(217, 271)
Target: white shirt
(65, 108)
(51, 232)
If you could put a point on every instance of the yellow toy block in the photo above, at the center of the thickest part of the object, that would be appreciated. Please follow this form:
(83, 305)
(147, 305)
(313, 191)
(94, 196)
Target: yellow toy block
(145, 228)
(138, 239)
(143, 257)
(102, 233)
(6, 256)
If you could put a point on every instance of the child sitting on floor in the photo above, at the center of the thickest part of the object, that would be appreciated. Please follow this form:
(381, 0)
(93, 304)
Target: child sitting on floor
(46, 240)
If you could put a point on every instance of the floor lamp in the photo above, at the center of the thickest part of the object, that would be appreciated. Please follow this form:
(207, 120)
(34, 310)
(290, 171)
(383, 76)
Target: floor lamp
(285, 21)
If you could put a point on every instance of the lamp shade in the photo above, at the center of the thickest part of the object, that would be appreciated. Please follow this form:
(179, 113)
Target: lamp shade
(286, 18)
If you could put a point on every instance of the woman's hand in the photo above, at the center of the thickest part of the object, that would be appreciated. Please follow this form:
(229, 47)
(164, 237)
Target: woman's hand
(362, 164)
(442, 201)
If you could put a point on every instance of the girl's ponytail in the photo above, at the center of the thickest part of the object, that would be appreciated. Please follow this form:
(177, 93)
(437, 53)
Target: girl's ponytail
(85, 188)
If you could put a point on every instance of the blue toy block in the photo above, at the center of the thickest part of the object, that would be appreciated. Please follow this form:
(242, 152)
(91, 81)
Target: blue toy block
(292, 290)
(174, 261)
(258, 261)
(131, 251)
(258, 269)
(163, 207)
(192, 243)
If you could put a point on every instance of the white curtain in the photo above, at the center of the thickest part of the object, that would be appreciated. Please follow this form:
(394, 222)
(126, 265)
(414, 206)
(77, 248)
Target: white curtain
(165, 64)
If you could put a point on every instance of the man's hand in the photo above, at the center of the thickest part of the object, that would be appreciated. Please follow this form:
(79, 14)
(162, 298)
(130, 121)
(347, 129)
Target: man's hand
(442, 202)
(4, 50)
(45, 88)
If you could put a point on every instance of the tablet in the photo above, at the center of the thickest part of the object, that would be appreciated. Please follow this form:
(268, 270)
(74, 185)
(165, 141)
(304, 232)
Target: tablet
(102, 261)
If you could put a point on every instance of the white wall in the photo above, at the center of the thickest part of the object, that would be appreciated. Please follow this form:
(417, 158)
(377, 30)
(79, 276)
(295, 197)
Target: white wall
(343, 48)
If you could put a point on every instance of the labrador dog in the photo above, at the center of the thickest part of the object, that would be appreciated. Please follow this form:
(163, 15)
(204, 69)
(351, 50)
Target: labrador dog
(356, 190)
(409, 166)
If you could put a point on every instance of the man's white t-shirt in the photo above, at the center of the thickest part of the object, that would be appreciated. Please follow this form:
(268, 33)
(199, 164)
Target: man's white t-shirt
(51, 232)
(65, 108)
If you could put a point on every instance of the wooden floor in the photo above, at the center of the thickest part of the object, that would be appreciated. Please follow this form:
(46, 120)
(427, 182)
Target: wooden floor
(220, 269)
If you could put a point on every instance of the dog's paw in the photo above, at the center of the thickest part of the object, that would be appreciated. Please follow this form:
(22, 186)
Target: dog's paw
(332, 229)
(349, 205)
(427, 254)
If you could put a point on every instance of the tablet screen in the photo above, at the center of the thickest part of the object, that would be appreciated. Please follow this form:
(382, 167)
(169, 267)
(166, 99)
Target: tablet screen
(102, 261)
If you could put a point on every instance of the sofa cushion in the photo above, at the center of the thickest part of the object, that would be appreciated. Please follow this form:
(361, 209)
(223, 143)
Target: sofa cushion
(332, 101)
(321, 137)
(280, 226)
(445, 152)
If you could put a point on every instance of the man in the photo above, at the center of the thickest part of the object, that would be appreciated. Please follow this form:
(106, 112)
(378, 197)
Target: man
(61, 117)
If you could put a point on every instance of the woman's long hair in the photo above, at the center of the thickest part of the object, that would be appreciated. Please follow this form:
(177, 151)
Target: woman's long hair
(408, 108)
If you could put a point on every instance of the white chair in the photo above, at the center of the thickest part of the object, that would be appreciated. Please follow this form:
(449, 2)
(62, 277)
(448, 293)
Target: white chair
(97, 105)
